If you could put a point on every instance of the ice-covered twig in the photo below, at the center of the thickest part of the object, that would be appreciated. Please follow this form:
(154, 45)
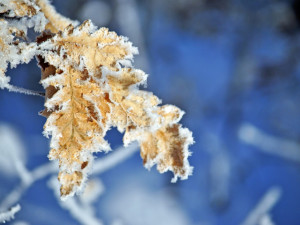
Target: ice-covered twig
(44, 170)
(20, 222)
(12, 154)
(263, 207)
(83, 214)
(13, 197)
(266, 220)
(219, 170)
(100, 166)
(273, 145)
(83, 211)
(37, 174)
(25, 91)
(10, 214)
(114, 158)
(93, 190)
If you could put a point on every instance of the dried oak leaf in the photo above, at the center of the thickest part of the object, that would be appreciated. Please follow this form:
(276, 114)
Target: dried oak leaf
(18, 8)
(16, 17)
(163, 141)
(56, 22)
(93, 87)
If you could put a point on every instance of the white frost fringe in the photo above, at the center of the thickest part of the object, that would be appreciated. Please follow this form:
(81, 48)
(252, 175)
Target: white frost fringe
(10, 214)
(13, 88)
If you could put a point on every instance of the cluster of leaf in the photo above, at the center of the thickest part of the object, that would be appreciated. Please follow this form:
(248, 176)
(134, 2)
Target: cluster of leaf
(90, 87)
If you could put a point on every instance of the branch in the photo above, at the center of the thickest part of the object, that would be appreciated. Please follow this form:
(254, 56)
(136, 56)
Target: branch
(16, 89)
(57, 22)
(219, 170)
(10, 214)
(37, 174)
(266, 220)
(263, 207)
(114, 158)
(83, 214)
(100, 166)
(273, 145)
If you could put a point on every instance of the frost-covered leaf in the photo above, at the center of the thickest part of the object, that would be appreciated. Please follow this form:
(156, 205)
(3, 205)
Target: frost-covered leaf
(76, 123)
(163, 141)
(79, 108)
(56, 22)
(18, 8)
(12, 50)
(16, 17)
(90, 87)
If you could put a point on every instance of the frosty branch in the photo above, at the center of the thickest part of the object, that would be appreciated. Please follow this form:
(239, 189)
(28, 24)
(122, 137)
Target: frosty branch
(90, 86)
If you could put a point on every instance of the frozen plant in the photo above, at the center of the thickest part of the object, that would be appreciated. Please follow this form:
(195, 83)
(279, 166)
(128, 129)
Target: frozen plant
(90, 86)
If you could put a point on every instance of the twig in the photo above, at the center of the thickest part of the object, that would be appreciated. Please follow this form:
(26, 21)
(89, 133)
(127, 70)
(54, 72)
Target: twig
(37, 174)
(263, 207)
(114, 158)
(274, 145)
(25, 91)
(266, 220)
(42, 171)
(10, 214)
(220, 170)
(84, 215)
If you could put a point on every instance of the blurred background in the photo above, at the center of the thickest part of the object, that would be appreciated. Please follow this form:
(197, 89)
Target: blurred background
(233, 66)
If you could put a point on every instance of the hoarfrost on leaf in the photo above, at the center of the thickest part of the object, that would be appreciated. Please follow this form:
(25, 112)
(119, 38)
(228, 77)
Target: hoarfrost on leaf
(17, 17)
(91, 86)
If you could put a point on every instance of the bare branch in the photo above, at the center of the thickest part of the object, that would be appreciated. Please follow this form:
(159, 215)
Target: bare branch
(273, 145)
(263, 207)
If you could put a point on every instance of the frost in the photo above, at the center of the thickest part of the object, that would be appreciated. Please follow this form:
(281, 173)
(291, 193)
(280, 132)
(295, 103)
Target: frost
(90, 86)
(56, 22)
(14, 48)
(10, 214)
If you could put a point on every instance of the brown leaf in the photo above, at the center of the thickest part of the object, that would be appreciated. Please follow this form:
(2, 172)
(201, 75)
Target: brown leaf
(19, 8)
(56, 22)
(91, 87)
(18, 16)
